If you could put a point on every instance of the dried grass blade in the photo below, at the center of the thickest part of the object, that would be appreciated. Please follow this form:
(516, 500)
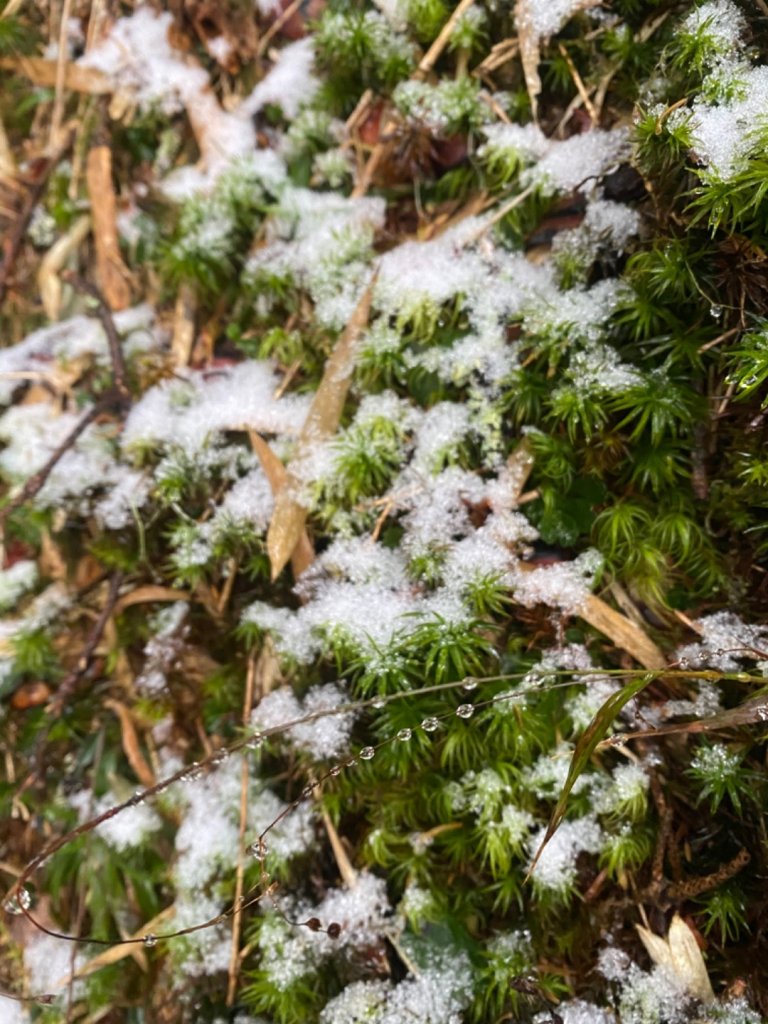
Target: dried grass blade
(585, 748)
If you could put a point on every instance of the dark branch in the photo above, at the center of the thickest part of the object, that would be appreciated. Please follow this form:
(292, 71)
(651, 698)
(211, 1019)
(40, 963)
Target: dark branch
(69, 683)
(104, 314)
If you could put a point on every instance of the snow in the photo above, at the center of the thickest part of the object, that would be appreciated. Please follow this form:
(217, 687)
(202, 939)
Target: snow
(289, 84)
(48, 962)
(566, 585)
(325, 737)
(725, 641)
(557, 166)
(16, 581)
(719, 21)
(138, 57)
(163, 650)
(437, 995)
(321, 241)
(724, 134)
(14, 1013)
(556, 867)
(130, 828)
(40, 353)
(362, 913)
(207, 839)
(188, 410)
(544, 18)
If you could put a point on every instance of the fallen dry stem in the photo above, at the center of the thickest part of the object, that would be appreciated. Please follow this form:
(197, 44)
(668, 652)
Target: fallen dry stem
(69, 683)
(234, 960)
(104, 315)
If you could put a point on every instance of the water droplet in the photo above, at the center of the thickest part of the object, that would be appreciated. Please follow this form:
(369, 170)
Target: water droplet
(255, 741)
(336, 770)
(378, 703)
(220, 756)
(715, 312)
(258, 850)
(367, 753)
(749, 381)
(683, 664)
(470, 684)
(720, 652)
(441, 322)
(150, 940)
(193, 772)
(430, 724)
(351, 763)
(19, 902)
(465, 710)
(404, 735)
(308, 790)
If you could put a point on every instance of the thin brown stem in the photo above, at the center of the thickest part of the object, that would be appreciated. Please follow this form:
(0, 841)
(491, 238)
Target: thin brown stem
(68, 685)
(234, 961)
(104, 315)
(36, 482)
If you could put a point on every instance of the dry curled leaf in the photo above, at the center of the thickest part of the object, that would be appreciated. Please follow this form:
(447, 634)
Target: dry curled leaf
(617, 627)
(289, 516)
(679, 953)
(303, 554)
(130, 741)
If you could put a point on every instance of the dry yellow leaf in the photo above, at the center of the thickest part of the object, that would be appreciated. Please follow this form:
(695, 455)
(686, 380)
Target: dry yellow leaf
(290, 516)
(151, 592)
(112, 274)
(679, 953)
(130, 740)
(41, 71)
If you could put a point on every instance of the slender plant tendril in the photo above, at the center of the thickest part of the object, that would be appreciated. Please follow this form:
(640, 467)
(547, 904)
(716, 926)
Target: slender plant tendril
(18, 896)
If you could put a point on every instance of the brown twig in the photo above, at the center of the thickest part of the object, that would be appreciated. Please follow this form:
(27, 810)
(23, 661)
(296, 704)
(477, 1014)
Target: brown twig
(104, 314)
(36, 482)
(68, 684)
(692, 887)
(234, 961)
